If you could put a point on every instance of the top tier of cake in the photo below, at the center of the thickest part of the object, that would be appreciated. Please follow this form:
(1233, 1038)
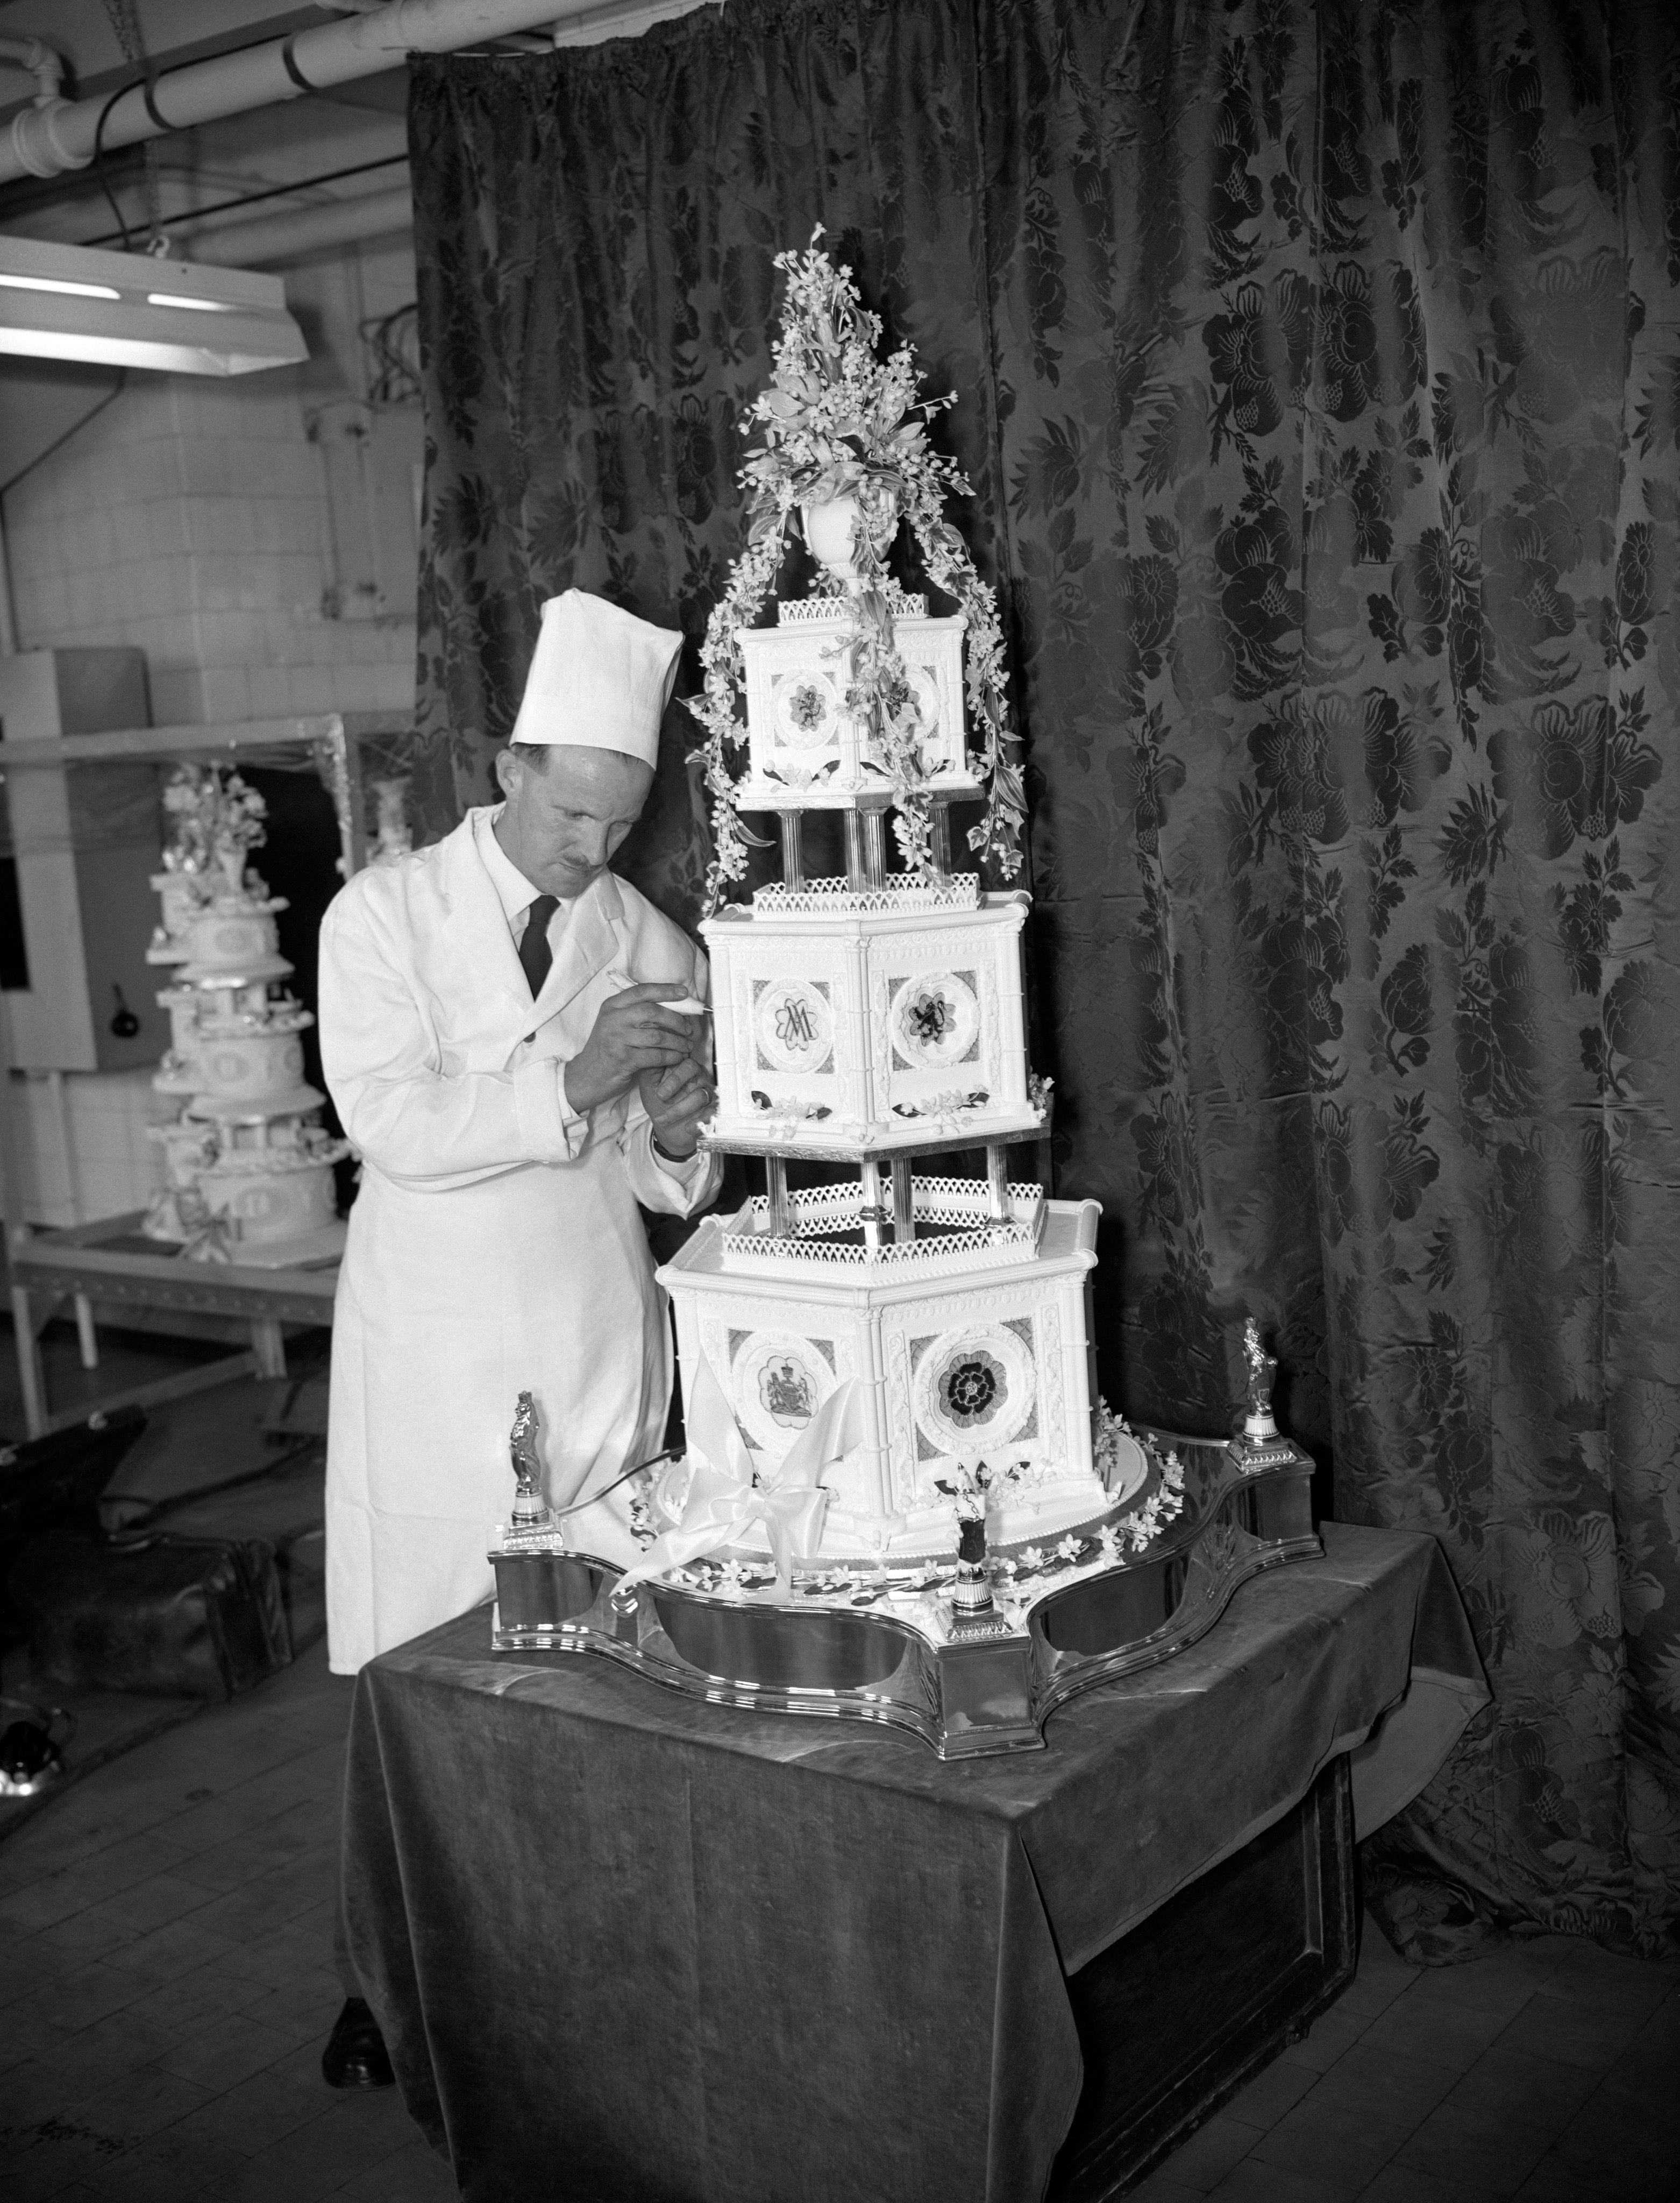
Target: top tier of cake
(806, 751)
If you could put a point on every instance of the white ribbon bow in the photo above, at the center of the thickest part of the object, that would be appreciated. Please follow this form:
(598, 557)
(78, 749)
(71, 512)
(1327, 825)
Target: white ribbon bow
(724, 1501)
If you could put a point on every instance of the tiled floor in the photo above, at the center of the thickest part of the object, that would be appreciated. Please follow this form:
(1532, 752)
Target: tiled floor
(1549, 2072)
(166, 1984)
(165, 1969)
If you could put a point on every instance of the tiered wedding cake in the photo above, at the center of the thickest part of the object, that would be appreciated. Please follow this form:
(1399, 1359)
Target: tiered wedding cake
(869, 1020)
(248, 1164)
(900, 1497)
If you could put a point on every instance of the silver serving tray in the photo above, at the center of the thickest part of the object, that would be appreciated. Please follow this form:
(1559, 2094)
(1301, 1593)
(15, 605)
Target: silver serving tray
(964, 1688)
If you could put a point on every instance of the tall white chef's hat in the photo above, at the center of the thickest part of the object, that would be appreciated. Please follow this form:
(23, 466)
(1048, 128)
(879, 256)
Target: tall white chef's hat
(600, 679)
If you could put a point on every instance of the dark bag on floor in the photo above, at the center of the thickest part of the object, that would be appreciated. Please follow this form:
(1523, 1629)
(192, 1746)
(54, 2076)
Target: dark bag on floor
(54, 1483)
(168, 1617)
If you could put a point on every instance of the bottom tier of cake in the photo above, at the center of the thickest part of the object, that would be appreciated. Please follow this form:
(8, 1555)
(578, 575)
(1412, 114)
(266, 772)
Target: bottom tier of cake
(280, 1202)
(987, 1360)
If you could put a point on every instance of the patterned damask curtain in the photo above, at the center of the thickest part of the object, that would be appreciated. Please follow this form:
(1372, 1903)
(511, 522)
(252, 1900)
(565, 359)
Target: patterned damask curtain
(1320, 370)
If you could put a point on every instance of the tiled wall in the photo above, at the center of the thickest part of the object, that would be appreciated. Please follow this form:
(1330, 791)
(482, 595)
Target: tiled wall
(189, 517)
(81, 1145)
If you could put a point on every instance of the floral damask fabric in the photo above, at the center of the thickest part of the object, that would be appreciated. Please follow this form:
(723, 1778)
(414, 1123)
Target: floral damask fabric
(1320, 382)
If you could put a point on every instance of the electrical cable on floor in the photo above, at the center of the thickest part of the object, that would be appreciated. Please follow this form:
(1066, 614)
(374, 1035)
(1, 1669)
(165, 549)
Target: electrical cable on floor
(138, 1527)
(34, 1706)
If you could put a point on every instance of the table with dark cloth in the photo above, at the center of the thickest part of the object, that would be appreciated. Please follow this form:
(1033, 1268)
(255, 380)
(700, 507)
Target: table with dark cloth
(626, 1945)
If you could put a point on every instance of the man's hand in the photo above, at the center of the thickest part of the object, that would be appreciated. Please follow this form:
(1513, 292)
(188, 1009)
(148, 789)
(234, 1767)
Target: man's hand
(632, 1036)
(675, 1102)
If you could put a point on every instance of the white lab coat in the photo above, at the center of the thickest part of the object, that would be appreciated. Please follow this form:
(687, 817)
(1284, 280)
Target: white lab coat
(494, 1246)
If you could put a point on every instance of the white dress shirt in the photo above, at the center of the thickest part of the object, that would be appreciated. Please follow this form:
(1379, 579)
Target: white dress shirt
(517, 894)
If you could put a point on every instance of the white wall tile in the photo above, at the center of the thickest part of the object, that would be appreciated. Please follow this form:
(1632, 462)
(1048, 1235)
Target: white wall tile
(168, 526)
(177, 695)
(270, 691)
(311, 689)
(226, 693)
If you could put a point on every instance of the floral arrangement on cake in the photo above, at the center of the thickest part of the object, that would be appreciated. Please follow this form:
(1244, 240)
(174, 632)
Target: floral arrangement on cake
(215, 820)
(839, 421)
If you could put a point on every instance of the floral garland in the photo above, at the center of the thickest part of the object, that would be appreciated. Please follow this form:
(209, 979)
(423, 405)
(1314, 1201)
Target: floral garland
(1164, 1505)
(838, 422)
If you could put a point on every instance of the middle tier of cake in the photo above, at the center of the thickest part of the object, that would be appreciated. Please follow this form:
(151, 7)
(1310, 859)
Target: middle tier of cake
(852, 1021)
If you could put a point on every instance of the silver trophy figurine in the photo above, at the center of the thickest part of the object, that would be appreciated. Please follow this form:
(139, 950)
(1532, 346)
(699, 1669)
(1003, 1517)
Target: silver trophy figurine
(529, 1513)
(1259, 1443)
(972, 1613)
(1260, 1425)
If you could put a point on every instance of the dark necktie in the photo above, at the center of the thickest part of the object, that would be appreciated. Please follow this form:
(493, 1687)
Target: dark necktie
(535, 954)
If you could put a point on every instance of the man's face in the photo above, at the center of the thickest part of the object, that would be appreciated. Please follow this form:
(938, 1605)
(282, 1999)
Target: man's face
(564, 820)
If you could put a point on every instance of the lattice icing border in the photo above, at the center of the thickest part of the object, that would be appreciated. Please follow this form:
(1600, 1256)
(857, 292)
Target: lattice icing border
(949, 1202)
(837, 898)
(833, 608)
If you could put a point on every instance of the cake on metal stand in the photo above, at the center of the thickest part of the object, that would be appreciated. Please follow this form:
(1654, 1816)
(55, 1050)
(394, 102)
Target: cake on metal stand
(901, 1500)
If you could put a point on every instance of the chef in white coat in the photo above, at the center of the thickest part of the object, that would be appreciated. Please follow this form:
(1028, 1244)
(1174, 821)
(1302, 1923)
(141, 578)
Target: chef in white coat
(495, 1033)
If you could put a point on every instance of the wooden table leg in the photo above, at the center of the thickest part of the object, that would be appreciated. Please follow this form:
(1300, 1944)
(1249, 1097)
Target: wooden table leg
(268, 1343)
(86, 1333)
(30, 1370)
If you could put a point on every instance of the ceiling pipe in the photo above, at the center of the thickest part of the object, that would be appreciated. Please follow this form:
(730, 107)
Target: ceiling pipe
(516, 39)
(43, 63)
(46, 66)
(47, 139)
(261, 242)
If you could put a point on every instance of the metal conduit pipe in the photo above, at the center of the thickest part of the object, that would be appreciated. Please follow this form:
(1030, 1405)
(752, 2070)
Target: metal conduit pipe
(43, 63)
(47, 138)
(259, 242)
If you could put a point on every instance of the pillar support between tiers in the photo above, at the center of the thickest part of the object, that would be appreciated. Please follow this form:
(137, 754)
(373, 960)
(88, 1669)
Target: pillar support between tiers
(855, 875)
(776, 1189)
(874, 848)
(792, 848)
(903, 1216)
(939, 839)
(997, 1179)
(874, 1215)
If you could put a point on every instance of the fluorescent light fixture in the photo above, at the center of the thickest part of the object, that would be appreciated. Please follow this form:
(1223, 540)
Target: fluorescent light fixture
(46, 283)
(188, 305)
(70, 302)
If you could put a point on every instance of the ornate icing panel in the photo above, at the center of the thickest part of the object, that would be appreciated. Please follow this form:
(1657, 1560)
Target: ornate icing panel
(883, 1027)
(806, 750)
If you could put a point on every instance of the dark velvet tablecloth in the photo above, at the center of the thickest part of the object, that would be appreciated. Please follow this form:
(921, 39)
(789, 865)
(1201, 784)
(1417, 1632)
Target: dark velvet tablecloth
(628, 1948)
